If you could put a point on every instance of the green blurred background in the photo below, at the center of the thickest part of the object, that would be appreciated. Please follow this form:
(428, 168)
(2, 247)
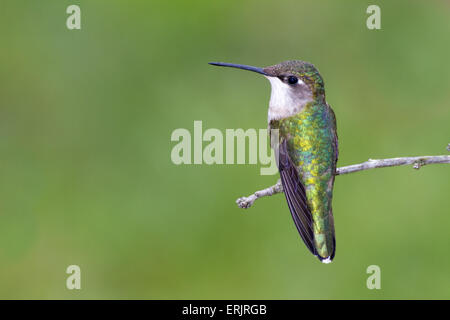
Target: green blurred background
(86, 177)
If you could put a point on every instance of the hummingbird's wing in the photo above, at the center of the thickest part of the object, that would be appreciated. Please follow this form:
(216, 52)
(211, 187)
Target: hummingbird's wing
(336, 143)
(296, 196)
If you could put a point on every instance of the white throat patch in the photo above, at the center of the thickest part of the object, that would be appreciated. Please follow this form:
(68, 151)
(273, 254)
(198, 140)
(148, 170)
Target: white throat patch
(286, 100)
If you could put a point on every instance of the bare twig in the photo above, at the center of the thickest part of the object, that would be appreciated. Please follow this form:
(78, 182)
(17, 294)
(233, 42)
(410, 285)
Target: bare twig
(246, 202)
(417, 162)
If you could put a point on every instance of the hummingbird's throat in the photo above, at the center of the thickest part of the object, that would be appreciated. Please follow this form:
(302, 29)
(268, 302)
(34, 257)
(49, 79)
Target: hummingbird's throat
(287, 100)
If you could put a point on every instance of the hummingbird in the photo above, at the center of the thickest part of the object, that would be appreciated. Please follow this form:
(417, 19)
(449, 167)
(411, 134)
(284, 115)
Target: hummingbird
(307, 147)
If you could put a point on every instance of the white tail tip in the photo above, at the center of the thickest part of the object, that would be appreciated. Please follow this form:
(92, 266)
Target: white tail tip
(327, 260)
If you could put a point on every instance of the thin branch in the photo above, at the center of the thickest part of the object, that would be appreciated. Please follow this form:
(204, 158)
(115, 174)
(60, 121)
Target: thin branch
(246, 202)
(416, 162)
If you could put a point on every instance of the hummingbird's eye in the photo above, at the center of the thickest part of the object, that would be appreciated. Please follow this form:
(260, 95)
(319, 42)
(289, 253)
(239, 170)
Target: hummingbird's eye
(292, 80)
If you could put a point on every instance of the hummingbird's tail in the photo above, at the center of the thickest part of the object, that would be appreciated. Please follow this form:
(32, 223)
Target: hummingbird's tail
(331, 257)
(333, 242)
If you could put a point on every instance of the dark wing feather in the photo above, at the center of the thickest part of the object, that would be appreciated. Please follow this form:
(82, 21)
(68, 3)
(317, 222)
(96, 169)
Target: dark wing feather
(296, 197)
(336, 156)
(336, 143)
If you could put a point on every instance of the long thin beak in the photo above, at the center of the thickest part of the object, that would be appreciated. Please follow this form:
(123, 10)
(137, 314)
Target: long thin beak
(239, 66)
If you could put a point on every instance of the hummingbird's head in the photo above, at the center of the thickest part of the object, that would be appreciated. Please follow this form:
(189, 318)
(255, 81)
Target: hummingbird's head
(299, 75)
(294, 84)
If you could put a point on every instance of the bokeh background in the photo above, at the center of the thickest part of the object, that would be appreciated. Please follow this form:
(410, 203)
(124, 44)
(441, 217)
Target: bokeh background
(86, 177)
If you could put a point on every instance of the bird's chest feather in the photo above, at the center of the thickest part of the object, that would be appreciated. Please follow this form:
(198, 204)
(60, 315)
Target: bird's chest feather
(309, 136)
